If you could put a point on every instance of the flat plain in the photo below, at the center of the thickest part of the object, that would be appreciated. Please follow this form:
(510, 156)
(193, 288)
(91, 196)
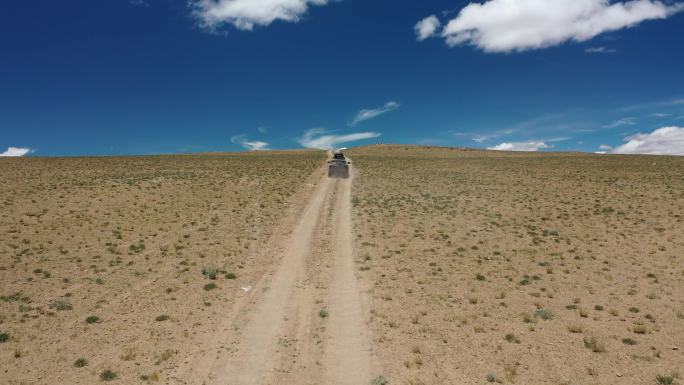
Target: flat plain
(490, 267)
(116, 269)
(429, 266)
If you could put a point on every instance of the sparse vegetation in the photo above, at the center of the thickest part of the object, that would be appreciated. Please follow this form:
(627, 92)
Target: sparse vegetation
(89, 246)
(210, 272)
(544, 314)
(449, 230)
(107, 375)
(61, 305)
(665, 379)
(596, 344)
(81, 362)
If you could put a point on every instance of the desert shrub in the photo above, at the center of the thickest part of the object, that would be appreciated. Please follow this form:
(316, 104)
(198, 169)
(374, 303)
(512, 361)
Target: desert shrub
(231, 276)
(209, 272)
(4, 337)
(323, 313)
(129, 354)
(92, 319)
(379, 380)
(480, 277)
(164, 356)
(595, 344)
(107, 375)
(512, 338)
(544, 314)
(210, 286)
(575, 328)
(629, 341)
(61, 305)
(154, 377)
(162, 317)
(665, 380)
(81, 362)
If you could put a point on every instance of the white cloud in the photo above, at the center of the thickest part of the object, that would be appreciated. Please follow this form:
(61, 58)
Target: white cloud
(321, 139)
(521, 25)
(255, 145)
(374, 113)
(427, 27)
(663, 141)
(605, 147)
(262, 129)
(521, 146)
(621, 122)
(16, 151)
(245, 14)
(600, 50)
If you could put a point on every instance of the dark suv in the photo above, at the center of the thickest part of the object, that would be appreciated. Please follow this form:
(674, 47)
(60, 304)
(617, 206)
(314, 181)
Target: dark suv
(338, 166)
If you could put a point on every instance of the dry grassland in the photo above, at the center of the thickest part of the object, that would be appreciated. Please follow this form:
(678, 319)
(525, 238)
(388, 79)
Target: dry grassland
(522, 268)
(115, 268)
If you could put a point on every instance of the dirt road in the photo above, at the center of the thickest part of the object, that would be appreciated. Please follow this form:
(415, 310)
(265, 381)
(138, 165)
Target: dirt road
(306, 321)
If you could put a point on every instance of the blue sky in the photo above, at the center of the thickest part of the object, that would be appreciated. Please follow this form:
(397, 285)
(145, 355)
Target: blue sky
(89, 77)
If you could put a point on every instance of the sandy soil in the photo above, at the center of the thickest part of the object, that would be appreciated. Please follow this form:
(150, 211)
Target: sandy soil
(305, 322)
(428, 266)
(102, 259)
(522, 268)
(240, 270)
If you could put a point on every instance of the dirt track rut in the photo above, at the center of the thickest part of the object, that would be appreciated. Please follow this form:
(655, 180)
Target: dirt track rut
(306, 321)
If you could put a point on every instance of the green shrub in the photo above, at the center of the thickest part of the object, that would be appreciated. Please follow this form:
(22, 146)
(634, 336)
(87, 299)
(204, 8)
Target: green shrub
(544, 314)
(92, 319)
(81, 362)
(161, 318)
(107, 375)
(61, 305)
(4, 337)
(665, 380)
(209, 272)
(210, 286)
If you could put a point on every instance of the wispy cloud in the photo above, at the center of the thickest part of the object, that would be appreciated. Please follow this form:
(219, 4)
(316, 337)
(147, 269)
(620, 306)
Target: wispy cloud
(374, 113)
(252, 145)
(521, 146)
(660, 115)
(246, 14)
(663, 141)
(139, 3)
(600, 50)
(427, 27)
(262, 129)
(621, 122)
(521, 25)
(659, 104)
(16, 152)
(320, 138)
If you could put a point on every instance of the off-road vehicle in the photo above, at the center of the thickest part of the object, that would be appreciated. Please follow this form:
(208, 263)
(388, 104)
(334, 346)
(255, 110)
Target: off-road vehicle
(338, 166)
